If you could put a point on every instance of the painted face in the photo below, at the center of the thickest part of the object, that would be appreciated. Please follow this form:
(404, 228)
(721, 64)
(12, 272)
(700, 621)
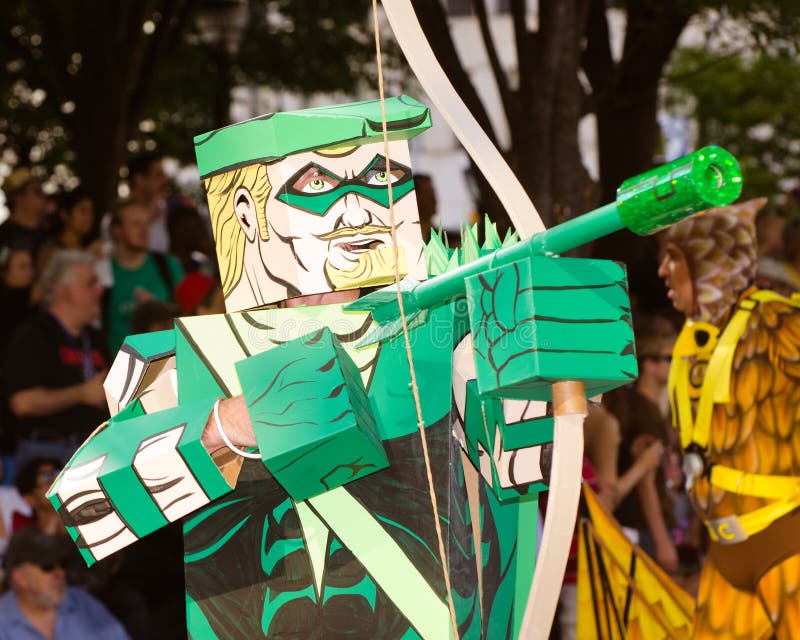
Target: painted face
(327, 218)
(674, 270)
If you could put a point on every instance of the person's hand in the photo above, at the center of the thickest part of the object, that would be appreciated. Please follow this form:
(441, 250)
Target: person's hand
(92, 392)
(236, 423)
(97, 249)
(142, 295)
(653, 455)
(667, 555)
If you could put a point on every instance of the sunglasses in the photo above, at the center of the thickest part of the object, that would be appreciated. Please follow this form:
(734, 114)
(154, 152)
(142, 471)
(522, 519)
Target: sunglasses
(49, 567)
(659, 358)
(46, 477)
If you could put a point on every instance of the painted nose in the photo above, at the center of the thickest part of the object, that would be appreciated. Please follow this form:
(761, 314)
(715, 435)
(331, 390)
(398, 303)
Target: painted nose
(355, 213)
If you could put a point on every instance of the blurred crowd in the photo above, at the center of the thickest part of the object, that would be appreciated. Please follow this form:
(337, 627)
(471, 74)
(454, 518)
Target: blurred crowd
(74, 282)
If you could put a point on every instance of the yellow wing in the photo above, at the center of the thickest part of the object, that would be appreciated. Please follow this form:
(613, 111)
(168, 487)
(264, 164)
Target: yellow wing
(622, 593)
(755, 432)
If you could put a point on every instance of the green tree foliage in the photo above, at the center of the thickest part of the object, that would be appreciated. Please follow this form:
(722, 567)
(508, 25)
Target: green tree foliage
(86, 83)
(747, 103)
(310, 46)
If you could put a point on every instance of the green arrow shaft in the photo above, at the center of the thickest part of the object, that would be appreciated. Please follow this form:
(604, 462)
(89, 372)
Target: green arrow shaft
(645, 204)
(556, 240)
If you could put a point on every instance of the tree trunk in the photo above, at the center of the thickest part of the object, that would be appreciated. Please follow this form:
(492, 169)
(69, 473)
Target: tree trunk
(545, 131)
(625, 95)
(434, 22)
(543, 112)
(100, 148)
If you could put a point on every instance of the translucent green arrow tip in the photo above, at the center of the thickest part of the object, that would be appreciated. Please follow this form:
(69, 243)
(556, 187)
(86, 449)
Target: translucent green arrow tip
(709, 177)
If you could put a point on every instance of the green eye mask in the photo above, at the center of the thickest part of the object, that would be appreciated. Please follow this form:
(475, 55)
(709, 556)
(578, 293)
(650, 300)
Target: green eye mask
(319, 203)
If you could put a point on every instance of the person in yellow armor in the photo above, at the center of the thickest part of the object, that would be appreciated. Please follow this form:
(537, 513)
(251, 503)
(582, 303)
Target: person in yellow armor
(735, 391)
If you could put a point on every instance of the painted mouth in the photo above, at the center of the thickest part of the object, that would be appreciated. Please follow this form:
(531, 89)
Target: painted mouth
(360, 246)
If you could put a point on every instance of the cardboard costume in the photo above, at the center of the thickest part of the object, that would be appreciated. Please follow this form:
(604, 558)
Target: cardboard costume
(735, 388)
(332, 532)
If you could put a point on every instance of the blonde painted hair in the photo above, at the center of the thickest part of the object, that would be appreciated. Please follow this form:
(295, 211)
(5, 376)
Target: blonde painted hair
(228, 234)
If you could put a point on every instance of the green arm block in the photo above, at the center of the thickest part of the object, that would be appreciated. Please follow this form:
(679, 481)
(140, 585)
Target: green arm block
(140, 360)
(541, 320)
(493, 446)
(134, 475)
(311, 415)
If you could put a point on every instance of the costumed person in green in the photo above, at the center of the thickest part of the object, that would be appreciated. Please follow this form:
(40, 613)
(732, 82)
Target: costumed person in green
(318, 501)
(300, 211)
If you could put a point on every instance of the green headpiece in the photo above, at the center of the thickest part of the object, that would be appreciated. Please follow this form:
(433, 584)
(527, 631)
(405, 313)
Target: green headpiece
(278, 135)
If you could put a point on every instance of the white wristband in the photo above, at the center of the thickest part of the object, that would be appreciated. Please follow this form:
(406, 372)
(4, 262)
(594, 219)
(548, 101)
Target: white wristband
(245, 454)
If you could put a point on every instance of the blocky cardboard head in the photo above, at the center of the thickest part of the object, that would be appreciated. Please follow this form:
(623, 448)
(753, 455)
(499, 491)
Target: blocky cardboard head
(299, 201)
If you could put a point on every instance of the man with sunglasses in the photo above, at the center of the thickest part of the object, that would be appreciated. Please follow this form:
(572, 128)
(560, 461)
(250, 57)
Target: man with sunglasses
(39, 604)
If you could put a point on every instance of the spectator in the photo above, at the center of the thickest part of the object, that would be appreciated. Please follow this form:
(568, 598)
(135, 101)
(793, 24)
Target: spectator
(769, 233)
(138, 274)
(32, 481)
(774, 235)
(199, 295)
(16, 265)
(791, 245)
(17, 274)
(601, 432)
(74, 225)
(602, 437)
(642, 410)
(58, 362)
(148, 185)
(106, 580)
(39, 603)
(190, 238)
(13, 507)
(17, 279)
(152, 315)
(27, 205)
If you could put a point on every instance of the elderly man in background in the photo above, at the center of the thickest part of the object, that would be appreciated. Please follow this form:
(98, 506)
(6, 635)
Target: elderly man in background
(56, 362)
(39, 603)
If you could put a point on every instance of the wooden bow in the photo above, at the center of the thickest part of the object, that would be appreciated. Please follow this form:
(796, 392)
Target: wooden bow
(568, 397)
